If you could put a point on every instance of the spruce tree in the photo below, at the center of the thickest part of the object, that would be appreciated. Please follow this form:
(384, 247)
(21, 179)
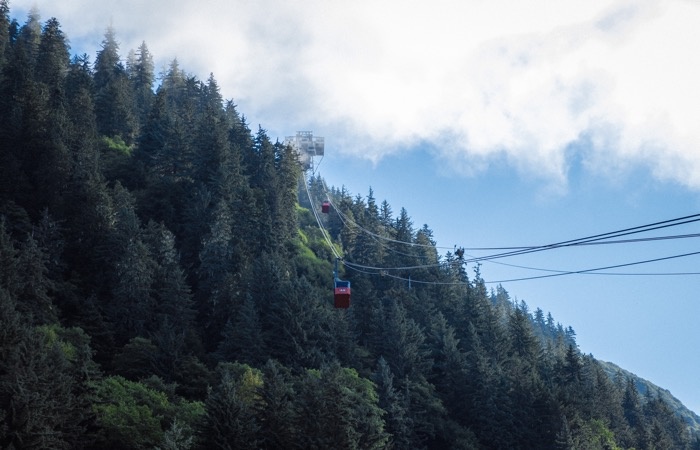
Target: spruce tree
(114, 102)
(140, 69)
(242, 336)
(339, 410)
(230, 423)
(450, 368)
(398, 424)
(43, 395)
(277, 412)
(4, 35)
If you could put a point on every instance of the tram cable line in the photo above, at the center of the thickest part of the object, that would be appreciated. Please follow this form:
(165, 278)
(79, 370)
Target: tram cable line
(379, 239)
(583, 242)
(624, 241)
(554, 272)
(341, 288)
(598, 269)
(593, 271)
(324, 232)
(368, 270)
(523, 249)
(598, 239)
(344, 219)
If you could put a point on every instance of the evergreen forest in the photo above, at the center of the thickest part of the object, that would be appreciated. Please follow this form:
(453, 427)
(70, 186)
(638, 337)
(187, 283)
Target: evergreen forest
(164, 283)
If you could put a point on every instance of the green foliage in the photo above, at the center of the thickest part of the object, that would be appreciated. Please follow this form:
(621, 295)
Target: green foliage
(307, 260)
(246, 378)
(129, 412)
(116, 144)
(340, 410)
(43, 376)
(593, 434)
(229, 422)
(133, 415)
(51, 336)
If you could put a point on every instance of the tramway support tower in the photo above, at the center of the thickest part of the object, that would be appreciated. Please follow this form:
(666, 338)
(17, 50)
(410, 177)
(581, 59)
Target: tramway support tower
(307, 146)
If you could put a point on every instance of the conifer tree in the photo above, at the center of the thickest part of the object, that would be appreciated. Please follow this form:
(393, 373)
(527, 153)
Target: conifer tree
(114, 103)
(398, 424)
(487, 389)
(4, 35)
(478, 311)
(51, 140)
(339, 410)
(80, 109)
(25, 112)
(43, 401)
(140, 69)
(52, 59)
(632, 409)
(404, 343)
(368, 248)
(239, 132)
(572, 367)
(131, 272)
(292, 322)
(229, 423)
(162, 163)
(288, 172)
(27, 44)
(450, 370)
(211, 135)
(170, 289)
(33, 297)
(174, 331)
(242, 336)
(263, 179)
(277, 411)
(524, 348)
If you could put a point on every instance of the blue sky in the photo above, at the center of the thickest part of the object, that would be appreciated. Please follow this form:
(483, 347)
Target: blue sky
(497, 123)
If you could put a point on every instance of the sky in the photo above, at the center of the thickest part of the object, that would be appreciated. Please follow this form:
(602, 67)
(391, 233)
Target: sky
(499, 123)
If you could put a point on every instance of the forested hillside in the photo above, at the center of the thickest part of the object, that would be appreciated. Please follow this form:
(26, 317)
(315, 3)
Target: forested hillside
(164, 283)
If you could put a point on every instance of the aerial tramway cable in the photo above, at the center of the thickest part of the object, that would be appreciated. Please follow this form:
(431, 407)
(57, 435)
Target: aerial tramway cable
(341, 288)
(598, 269)
(597, 239)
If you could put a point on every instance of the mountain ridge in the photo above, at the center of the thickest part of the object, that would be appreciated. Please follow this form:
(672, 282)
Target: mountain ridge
(646, 387)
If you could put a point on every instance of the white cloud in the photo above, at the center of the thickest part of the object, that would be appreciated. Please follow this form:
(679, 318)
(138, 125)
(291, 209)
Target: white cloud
(522, 82)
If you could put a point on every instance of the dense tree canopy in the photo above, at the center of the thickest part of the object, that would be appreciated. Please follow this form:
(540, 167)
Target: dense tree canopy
(164, 283)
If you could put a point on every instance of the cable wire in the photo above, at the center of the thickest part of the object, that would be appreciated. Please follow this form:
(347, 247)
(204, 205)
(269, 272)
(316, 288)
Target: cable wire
(318, 221)
(597, 239)
(593, 271)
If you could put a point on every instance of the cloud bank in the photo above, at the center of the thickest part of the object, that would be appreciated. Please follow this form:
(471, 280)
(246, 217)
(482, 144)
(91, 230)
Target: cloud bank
(611, 85)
